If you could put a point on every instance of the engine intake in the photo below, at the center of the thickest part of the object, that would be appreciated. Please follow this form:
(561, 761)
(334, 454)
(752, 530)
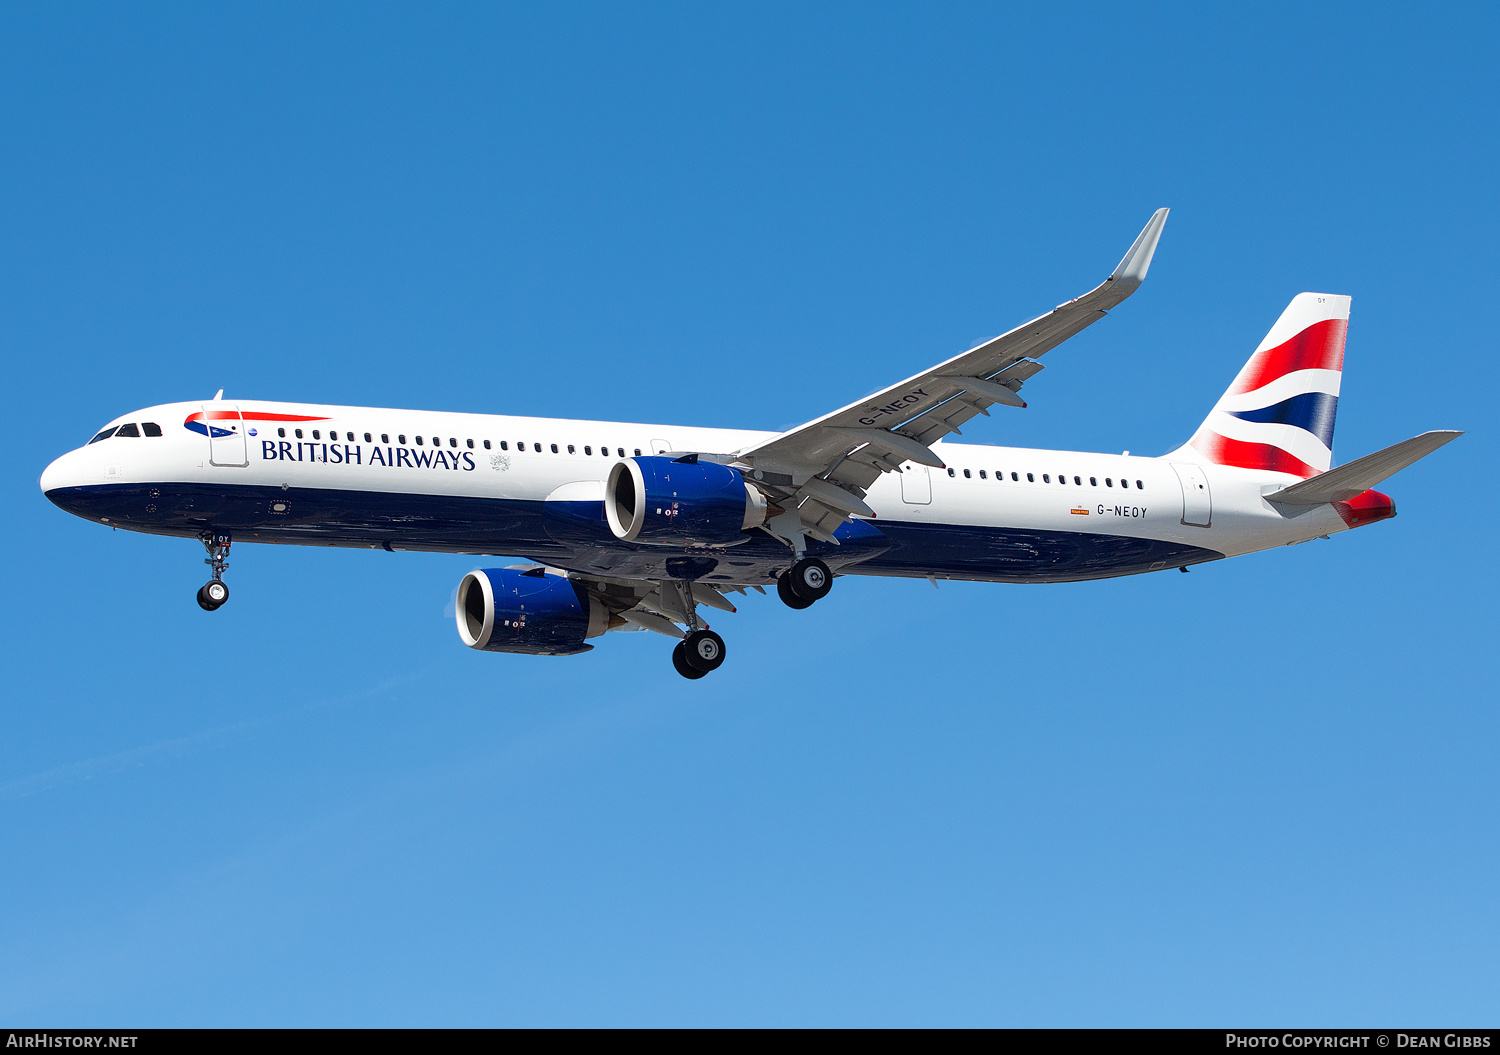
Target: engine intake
(530, 611)
(677, 501)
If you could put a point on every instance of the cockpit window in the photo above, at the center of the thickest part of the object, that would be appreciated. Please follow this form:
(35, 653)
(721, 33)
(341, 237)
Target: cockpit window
(151, 428)
(106, 434)
(129, 430)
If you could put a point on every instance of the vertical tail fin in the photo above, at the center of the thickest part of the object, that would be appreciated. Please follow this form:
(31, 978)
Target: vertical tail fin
(1278, 415)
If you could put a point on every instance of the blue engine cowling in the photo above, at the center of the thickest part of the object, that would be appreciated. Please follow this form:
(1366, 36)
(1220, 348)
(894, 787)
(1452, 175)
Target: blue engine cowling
(680, 501)
(527, 610)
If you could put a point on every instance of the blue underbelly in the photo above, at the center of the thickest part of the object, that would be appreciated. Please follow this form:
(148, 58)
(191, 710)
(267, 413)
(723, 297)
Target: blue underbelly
(459, 524)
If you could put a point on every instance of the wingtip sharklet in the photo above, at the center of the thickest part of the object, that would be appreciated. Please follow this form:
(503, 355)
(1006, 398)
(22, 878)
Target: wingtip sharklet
(1131, 271)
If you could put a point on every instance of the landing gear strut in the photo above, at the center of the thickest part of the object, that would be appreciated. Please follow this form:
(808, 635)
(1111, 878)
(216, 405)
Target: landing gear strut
(701, 650)
(215, 592)
(804, 582)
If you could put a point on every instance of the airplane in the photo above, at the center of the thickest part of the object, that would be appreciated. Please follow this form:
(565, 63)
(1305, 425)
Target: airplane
(637, 527)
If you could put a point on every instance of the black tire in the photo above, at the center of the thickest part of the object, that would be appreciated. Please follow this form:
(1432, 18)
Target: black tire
(679, 660)
(810, 579)
(788, 598)
(703, 650)
(212, 594)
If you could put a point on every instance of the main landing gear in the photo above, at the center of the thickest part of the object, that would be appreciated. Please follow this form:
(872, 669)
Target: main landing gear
(804, 582)
(698, 653)
(701, 650)
(212, 594)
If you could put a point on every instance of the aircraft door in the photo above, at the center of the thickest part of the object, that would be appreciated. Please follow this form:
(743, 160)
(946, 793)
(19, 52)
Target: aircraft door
(1197, 500)
(660, 446)
(226, 434)
(916, 485)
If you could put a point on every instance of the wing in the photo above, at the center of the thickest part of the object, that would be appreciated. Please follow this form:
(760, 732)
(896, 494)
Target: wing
(651, 604)
(820, 471)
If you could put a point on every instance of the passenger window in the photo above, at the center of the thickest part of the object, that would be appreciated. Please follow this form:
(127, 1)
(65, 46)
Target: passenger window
(1078, 480)
(637, 452)
(950, 472)
(1093, 481)
(385, 437)
(504, 446)
(1030, 478)
(572, 449)
(471, 444)
(1046, 479)
(1139, 486)
(1108, 482)
(588, 449)
(621, 450)
(315, 435)
(297, 433)
(538, 447)
(281, 433)
(982, 476)
(967, 476)
(453, 441)
(418, 439)
(367, 437)
(554, 448)
(1015, 478)
(151, 428)
(1062, 480)
(487, 444)
(401, 438)
(106, 434)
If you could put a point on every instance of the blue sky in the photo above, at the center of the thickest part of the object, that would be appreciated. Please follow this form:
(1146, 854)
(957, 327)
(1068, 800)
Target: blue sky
(1261, 793)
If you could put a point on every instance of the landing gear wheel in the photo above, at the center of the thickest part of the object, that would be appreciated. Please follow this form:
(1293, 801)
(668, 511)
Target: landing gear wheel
(680, 661)
(212, 594)
(703, 650)
(810, 579)
(788, 598)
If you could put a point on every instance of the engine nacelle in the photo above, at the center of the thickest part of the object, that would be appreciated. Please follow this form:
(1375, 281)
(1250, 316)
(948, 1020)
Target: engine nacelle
(515, 610)
(677, 502)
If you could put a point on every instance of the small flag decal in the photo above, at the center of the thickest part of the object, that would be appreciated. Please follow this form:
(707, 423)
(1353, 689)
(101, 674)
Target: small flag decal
(1079, 511)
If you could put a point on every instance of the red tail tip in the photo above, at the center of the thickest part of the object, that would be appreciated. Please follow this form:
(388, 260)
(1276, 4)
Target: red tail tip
(1365, 508)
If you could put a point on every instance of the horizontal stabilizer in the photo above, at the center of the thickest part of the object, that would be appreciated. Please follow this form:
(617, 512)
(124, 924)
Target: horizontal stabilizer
(1343, 483)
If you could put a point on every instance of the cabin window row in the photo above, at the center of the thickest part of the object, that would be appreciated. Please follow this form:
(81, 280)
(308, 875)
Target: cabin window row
(1062, 478)
(437, 441)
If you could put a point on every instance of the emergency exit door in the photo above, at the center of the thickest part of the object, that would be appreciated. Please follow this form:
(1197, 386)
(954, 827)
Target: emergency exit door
(1197, 501)
(916, 485)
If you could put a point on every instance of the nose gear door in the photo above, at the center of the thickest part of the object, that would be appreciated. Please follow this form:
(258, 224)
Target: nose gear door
(226, 434)
(1197, 501)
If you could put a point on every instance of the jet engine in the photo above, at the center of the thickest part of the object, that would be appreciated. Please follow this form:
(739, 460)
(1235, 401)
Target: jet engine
(680, 501)
(527, 610)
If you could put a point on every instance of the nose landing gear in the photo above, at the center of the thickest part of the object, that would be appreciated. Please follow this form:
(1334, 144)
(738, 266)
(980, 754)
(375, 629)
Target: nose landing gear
(212, 594)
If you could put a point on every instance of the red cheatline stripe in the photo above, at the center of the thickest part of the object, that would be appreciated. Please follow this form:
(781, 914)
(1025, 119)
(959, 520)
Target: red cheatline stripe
(1319, 347)
(1221, 450)
(252, 415)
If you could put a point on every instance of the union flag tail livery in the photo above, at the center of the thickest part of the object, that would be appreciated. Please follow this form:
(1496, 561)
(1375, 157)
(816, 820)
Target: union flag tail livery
(629, 526)
(1278, 415)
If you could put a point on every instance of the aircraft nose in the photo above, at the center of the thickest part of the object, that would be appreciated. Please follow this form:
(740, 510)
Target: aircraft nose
(63, 472)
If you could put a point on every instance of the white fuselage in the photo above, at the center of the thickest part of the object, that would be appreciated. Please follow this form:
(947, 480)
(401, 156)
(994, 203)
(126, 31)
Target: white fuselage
(409, 461)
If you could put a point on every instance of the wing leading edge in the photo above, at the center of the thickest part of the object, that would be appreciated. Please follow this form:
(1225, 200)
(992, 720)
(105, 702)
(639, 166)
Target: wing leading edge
(818, 473)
